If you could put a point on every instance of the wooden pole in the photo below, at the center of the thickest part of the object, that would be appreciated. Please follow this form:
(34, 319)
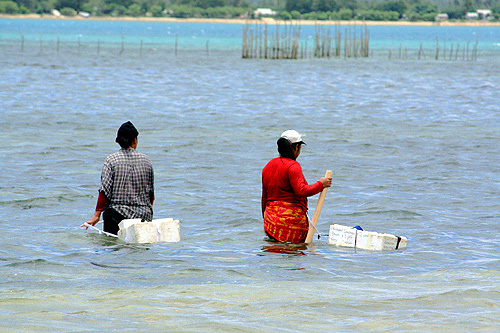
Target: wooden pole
(176, 44)
(244, 47)
(317, 211)
(123, 46)
(437, 48)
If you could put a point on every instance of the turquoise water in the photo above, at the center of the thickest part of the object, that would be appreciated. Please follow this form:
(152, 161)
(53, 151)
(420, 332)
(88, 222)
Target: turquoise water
(227, 37)
(413, 146)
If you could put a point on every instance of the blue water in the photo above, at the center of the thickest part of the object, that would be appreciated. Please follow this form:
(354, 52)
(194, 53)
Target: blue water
(413, 145)
(228, 36)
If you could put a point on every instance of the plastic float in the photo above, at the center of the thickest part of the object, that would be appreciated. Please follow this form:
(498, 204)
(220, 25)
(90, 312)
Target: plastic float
(357, 238)
(160, 230)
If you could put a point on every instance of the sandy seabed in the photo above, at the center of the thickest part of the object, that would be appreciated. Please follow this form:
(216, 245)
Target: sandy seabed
(254, 21)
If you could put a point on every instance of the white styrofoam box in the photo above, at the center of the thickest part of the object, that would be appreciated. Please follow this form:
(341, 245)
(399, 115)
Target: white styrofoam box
(160, 230)
(350, 237)
(342, 236)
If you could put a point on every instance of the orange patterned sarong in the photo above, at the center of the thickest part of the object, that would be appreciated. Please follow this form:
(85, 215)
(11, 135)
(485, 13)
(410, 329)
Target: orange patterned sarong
(285, 222)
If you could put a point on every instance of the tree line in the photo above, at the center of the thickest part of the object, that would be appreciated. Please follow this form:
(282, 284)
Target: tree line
(384, 10)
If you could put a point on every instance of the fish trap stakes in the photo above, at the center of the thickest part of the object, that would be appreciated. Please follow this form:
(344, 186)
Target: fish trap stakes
(368, 240)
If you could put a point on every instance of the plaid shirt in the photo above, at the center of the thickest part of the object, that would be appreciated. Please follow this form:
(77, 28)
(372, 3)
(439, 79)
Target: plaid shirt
(127, 180)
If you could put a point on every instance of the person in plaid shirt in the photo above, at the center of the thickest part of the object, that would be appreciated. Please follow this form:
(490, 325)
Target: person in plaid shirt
(127, 183)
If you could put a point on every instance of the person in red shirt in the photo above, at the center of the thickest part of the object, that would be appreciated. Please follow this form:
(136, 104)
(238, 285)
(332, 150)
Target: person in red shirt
(285, 192)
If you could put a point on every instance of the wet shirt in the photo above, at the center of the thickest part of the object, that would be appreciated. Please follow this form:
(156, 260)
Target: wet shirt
(282, 179)
(127, 180)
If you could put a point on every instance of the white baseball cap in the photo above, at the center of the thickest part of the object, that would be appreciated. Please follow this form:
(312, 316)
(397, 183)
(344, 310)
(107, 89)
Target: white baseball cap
(293, 136)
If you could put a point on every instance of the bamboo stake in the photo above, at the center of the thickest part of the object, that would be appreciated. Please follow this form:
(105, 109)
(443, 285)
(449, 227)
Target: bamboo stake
(368, 42)
(345, 44)
(123, 46)
(475, 49)
(265, 41)
(355, 42)
(176, 40)
(437, 48)
(260, 41)
(444, 51)
(339, 42)
(317, 211)
(244, 47)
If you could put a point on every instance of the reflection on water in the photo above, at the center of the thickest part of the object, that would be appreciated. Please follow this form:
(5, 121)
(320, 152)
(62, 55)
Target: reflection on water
(291, 249)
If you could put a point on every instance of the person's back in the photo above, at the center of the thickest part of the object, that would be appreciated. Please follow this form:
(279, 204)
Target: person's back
(277, 184)
(127, 183)
(285, 192)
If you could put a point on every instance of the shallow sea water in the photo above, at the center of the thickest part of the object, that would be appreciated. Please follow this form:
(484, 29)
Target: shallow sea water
(413, 146)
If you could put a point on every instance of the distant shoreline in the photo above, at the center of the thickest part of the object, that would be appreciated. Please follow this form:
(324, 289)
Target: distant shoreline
(243, 21)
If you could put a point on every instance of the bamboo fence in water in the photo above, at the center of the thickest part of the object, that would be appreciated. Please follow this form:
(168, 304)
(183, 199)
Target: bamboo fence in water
(465, 53)
(285, 42)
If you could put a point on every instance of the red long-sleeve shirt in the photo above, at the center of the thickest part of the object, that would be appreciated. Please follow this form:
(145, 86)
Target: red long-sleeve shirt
(282, 179)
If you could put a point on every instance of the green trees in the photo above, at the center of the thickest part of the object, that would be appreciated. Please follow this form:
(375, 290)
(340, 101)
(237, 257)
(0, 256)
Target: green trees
(422, 10)
(376, 10)
(302, 6)
(8, 7)
(74, 4)
(496, 10)
(326, 6)
(469, 6)
(67, 11)
(454, 12)
(378, 15)
(387, 10)
(398, 6)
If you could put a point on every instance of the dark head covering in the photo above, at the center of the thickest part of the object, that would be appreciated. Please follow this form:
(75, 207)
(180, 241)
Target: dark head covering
(126, 134)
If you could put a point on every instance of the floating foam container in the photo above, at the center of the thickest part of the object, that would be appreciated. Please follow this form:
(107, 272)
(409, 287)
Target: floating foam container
(351, 237)
(160, 230)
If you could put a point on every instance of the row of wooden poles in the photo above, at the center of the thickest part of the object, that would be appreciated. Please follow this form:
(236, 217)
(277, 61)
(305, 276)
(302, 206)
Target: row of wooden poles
(258, 42)
(465, 53)
(99, 45)
(285, 42)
